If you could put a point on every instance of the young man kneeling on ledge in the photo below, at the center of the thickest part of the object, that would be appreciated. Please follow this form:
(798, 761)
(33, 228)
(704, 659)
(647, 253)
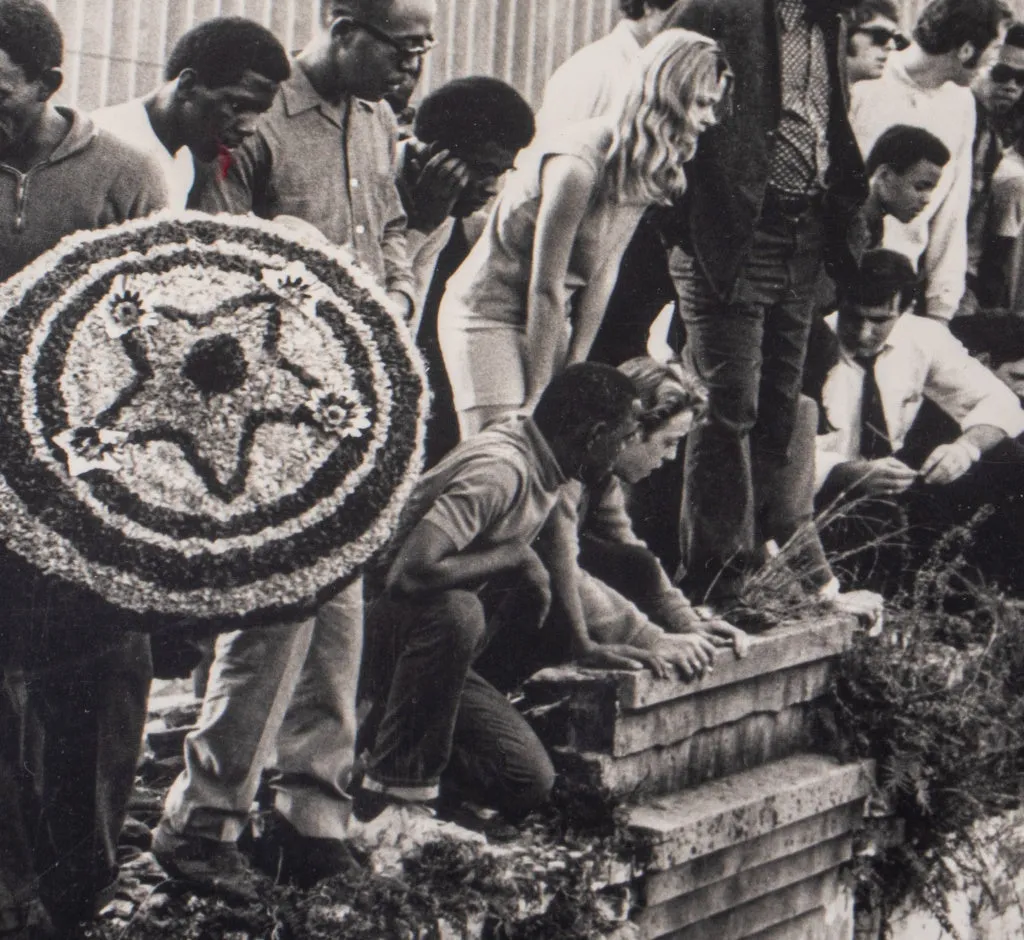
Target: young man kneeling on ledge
(480, 554)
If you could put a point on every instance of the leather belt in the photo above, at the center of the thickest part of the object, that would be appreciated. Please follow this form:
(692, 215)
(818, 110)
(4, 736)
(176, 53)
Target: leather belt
(789, 205)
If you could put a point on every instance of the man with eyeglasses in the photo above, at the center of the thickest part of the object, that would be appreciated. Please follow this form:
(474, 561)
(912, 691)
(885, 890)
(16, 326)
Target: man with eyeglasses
(872, 33)
(997, 194)
(325, 156)
(926, 85)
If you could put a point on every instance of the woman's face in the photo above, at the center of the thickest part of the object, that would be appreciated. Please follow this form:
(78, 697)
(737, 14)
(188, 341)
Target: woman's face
(644, 454)
(701, 114)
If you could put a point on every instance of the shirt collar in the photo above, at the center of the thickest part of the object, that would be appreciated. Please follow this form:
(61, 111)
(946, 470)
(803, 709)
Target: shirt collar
(299, 95)
(550, 472)
(846, 356)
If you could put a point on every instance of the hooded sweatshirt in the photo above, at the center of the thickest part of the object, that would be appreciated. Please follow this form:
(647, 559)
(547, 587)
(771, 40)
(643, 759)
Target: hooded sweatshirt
(90, 181)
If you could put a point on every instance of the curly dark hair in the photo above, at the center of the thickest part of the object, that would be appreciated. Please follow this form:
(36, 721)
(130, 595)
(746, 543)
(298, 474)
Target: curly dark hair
(471, 111)
(31, 36)
(221, 50)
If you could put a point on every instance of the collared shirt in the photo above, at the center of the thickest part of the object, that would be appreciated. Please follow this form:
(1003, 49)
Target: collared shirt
(800, 157)
(495, 488)
(130, 122)
(921, 359)
(938, 236)
(333, 166)
(90, 181)
(587, 84)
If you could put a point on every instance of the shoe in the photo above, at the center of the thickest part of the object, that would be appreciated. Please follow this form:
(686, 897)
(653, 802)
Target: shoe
(208, 866)
(742, 615)
(406, 826)
(288, 856)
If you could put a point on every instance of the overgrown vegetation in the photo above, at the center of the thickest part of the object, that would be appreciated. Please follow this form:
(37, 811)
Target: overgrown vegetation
(545, 883)
(937, 701)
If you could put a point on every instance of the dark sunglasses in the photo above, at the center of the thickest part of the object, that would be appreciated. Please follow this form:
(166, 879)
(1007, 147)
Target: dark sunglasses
(411, 48)
(1002, 74)
(882, 36)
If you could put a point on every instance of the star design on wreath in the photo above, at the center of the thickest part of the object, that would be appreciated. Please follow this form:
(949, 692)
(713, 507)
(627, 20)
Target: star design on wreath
(207, 384)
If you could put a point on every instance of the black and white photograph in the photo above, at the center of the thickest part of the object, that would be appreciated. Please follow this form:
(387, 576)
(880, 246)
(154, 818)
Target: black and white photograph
(511, 469)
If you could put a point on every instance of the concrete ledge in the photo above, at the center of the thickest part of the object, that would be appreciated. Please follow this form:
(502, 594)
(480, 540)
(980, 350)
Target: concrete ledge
(727, 749)
(819, 924)
(662, 886)
(678, 829)
(778, 649)
(746, 886)
(759, 917)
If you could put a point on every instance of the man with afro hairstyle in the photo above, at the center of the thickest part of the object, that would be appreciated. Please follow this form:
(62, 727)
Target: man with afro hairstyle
(220, 77)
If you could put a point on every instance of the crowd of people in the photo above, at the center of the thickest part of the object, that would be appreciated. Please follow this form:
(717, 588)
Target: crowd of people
(834, 211)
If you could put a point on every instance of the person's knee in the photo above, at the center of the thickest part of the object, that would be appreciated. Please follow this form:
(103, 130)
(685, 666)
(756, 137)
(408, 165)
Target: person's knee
(533, 783)
(462, 615)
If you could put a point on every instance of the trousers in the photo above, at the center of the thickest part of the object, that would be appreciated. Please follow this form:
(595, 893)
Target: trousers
(280, 699)
(70, 731)
(443, 725)
(750, 351)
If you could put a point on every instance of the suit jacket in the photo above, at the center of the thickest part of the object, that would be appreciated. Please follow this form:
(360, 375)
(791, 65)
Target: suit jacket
(716, 218)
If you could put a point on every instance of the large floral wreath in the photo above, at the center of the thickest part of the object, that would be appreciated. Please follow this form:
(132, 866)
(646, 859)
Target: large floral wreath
(203, 418)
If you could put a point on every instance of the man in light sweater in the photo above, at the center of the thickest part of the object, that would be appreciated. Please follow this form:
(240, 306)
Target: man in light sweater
(586, 84)
(926, 86)
(220, 77)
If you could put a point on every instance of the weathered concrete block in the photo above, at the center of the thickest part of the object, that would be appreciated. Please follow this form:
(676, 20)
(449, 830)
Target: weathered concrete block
(825, 923)
(674, 721)
(745, 886)
(717, 752)
(661, 886)
(677, 829)
(778, 649)
(761, 915)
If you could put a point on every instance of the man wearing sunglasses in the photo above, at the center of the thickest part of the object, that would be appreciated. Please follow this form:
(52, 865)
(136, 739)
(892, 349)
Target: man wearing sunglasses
(325, 155)
(873, 32)
(997, 194)
(925, 85)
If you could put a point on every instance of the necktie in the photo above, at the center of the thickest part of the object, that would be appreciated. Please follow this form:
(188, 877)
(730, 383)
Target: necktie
(874, 432)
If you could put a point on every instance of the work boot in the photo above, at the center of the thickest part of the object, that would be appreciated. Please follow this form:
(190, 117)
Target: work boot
(288, 856)
(208, 866)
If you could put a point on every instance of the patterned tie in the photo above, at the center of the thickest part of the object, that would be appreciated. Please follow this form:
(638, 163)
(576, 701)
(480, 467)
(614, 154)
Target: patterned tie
(874, 432)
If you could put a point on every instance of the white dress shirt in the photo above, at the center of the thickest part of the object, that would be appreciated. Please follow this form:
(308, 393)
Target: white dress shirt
(921, 359)
(938, 236)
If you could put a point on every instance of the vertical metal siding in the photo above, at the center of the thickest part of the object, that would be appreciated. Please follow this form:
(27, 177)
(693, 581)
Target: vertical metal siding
(115, 49)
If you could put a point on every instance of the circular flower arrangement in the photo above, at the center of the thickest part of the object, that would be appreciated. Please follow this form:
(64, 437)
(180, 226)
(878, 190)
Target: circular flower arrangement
(203, 418)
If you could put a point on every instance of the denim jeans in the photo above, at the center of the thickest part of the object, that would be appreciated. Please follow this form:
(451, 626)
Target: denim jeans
(280, 699)
(442, 724)
(750, 351)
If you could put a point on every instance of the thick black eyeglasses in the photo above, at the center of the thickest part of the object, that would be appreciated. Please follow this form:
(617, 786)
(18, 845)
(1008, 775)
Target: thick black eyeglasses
(882, 36)
(1002, 74)
(411, 48)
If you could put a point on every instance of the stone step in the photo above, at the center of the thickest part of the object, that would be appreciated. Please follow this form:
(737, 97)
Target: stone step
(770, 913)
(633, 735)
(747, 885)
(717, 752)
(768, 801)
(753, 855)
(782, 648)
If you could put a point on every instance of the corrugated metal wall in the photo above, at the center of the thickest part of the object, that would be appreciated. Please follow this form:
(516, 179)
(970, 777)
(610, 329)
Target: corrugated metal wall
(115, 48)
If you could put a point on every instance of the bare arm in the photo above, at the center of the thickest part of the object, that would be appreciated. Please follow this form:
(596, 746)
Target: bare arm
(567, 183)
(430, 561)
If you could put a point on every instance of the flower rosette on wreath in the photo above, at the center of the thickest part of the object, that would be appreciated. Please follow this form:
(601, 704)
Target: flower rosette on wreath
(204, 419)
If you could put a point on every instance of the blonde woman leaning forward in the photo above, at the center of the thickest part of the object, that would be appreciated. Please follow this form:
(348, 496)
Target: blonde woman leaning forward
(529, 298)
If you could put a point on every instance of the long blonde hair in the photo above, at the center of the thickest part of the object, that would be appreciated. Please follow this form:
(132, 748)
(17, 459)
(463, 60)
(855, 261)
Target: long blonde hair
(653, 135)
